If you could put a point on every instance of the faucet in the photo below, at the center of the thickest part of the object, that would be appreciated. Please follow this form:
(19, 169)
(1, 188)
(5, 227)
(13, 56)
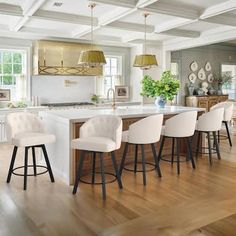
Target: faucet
(113, 97)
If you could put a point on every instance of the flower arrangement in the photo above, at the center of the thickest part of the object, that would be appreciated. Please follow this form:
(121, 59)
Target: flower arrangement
(167, 87)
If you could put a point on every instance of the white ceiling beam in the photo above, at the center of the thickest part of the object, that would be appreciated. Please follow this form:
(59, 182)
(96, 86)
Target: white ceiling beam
(182, 33)
(172, 24)
(144, 3)
(219, 9)
(105, 20)
(30, 8)
(148, 42)
(7, 9)
(64, 17)
(172, 10)
(119, 3)
(222, 35)
(130, 26)
(229, 19)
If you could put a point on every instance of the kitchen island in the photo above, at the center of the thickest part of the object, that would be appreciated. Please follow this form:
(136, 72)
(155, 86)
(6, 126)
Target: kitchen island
(65, 124)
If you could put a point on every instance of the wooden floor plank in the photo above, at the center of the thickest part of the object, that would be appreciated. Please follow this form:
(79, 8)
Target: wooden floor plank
(197, 202)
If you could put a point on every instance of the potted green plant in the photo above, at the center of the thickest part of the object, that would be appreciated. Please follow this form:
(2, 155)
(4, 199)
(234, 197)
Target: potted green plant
(224, 79)
(164, 89)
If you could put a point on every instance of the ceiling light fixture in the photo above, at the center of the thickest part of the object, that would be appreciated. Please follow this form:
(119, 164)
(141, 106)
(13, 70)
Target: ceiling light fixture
(145, 61)
(92, 58)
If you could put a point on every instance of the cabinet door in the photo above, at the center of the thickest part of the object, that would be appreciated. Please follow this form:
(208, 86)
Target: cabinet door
(203, 103)
(213, 101)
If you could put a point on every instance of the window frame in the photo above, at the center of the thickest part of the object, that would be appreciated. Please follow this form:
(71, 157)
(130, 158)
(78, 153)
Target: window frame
(28, 64)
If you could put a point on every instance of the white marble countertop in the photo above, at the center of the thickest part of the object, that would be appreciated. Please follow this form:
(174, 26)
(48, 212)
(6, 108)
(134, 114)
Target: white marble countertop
(81, 115)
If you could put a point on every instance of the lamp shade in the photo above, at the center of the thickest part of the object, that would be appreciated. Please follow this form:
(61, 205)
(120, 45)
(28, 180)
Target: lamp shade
(91, 58)
(145, 61)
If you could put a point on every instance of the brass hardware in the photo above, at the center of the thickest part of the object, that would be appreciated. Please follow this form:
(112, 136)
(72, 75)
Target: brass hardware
(113, 104)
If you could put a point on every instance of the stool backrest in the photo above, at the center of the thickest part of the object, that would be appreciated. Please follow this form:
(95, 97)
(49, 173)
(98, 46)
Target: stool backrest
(181, 125)
(21, 122)
(228, 109)
(211, 121)
(147, 130)
(108, 126)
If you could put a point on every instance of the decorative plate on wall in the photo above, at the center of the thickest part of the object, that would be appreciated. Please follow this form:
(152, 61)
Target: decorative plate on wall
(194, 66)
(201, 74)
(208, 66)
(192, 78)
(210, 78)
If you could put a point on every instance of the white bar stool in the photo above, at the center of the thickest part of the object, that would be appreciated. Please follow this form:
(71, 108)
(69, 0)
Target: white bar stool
(207, 123)
(228, 114)
(24, 129)
(143, 132)
(100, 134)
(178, 127)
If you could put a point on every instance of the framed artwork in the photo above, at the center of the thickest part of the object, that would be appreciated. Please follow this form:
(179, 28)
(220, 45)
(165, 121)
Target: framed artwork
(194, 66)
(5, 95)
(122, 92)
(201, 74)
(192, 78)
(208, 66)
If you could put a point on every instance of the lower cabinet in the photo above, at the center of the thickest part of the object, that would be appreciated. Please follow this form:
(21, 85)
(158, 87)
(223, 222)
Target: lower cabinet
(205, 101)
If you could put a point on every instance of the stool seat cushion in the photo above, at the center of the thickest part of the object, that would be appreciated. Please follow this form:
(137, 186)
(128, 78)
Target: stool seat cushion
(125, 136)
(95, 144)
(32, 139)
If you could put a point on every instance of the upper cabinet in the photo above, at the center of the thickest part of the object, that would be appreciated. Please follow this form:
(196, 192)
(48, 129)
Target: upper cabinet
(60, 58)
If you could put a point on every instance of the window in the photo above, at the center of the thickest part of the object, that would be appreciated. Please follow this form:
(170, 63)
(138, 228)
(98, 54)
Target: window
(13, 72)
(174, 68)
(112, 75)
(230, 88)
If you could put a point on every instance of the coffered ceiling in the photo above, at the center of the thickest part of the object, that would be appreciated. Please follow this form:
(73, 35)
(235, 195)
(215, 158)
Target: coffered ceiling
(118, 22)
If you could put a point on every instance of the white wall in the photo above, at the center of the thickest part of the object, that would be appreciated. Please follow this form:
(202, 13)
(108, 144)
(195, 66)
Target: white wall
(51, 89)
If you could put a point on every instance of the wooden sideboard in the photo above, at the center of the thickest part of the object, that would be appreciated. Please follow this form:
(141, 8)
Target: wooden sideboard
(206, 101)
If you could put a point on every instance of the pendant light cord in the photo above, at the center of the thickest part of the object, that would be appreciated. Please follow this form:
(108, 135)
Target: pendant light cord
(92, 5)
(145, 32)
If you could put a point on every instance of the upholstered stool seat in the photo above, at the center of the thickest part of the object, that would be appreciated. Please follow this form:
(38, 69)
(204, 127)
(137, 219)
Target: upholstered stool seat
(95, 144)
(32, 139)
(100, 134)
(228, 114)
(208, 123)
(26, 130)
(178, 127)
(146, 131)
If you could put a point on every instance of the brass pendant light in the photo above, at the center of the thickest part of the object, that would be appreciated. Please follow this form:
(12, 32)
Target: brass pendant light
(92, 58)
(145, 61)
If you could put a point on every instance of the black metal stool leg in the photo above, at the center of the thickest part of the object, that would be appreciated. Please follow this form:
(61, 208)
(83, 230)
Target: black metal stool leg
(178, 154)
(123, 158)
(79, 170)
(26, 167)
(158, 169)
(93, 167)
(228, 134)
(209, 147)
(34, 161)
(198, 143)
(48, 163)
(173, 151)
(103, 177)
(135, 158)
(189, 146)
(116, 170)
(143, 165)
(218, 135)
(216, 145)
(161, 148)
(12, 164)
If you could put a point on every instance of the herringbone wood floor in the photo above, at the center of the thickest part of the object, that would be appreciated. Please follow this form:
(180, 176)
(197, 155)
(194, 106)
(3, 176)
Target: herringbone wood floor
(198, 202)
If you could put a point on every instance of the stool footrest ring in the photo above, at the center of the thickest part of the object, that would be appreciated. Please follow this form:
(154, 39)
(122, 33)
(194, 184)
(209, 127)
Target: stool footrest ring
(175, 161)
(98, 183)
(21, 167)
(139, 162)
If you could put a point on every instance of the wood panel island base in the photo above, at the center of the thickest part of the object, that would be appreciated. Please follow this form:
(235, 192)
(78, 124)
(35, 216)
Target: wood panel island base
(66, 125)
